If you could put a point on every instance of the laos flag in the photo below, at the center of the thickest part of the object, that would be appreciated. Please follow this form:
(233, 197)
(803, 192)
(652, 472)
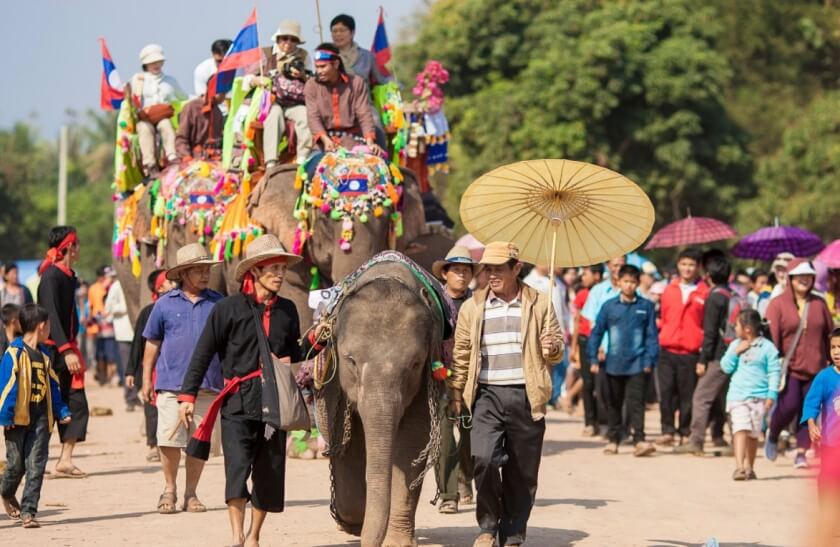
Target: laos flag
(111, 88)
(244, 52)
(380, 48)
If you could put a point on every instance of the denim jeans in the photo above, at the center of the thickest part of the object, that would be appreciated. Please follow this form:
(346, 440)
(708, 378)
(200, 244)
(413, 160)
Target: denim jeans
(558, 379)
(27, 448)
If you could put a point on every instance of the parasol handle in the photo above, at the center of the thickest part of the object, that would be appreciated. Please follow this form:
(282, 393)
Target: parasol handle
(551, 277)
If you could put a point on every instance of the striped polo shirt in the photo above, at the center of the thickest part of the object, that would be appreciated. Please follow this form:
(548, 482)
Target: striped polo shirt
(501, 343)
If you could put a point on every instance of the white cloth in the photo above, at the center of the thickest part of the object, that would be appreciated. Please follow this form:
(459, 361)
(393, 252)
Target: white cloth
(542, 284)
(156, 88)
(117, 309)
(746, 416)
(436, 124)
(203, 71)
(686, 289)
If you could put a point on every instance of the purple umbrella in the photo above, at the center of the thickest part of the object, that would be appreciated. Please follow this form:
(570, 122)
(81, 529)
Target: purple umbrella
(768, 242)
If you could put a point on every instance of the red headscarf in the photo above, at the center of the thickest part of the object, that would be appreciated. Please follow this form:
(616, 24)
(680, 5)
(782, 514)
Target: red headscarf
(159, 281)
(56, 254)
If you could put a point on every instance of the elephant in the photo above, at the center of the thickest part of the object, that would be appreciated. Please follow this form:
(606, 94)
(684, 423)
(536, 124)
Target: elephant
(380, 406)
(270, 205)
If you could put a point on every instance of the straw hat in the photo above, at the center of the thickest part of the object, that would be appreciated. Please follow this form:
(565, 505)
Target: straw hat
(457, 255)
(189, 256)
(499, 252)
(151, 53)
(288, 28)
(263, 248)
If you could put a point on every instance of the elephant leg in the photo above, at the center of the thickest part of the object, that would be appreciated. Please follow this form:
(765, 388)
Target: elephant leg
(412, 437)
(350, 485)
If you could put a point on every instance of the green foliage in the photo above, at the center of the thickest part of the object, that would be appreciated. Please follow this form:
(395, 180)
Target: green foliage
(636, 86)
(801, 183)
(29, 183)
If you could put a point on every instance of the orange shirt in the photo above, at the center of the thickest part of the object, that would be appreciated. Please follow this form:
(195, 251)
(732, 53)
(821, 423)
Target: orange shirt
(96, 301)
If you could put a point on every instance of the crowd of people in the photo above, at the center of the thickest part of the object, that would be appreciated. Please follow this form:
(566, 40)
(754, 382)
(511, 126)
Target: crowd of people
(317, 110)
(616, 339)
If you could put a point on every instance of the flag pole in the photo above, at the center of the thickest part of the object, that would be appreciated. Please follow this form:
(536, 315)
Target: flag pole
(320, 26)
(262, 74)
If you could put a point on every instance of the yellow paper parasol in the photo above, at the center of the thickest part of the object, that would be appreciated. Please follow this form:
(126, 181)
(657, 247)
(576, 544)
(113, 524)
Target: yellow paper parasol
(558, 212)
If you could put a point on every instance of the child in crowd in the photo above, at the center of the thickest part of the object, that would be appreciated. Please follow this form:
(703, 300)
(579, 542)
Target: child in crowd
(630, 322)
(29, 400)
(9, 314)
(823, 402)
(753, 364)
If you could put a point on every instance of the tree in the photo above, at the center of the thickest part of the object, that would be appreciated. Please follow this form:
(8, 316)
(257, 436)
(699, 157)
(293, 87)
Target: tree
(636, 86)
(800, 183)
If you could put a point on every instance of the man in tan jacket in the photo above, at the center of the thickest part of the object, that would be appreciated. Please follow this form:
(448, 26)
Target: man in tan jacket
(506, 342)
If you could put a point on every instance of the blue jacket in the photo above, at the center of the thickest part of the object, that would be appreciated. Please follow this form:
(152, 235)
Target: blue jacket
(631, 328)
(756, 373)
(824, 399)
(16, 384)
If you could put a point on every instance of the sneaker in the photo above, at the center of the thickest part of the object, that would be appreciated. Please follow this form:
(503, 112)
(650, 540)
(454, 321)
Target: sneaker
(643, 449)
(665, 440)
(771, 450)
(611, 449)
(800, 462)
(689, 447)
(739, 475)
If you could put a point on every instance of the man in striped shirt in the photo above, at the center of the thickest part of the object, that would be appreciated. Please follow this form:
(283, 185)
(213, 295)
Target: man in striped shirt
(506, 341)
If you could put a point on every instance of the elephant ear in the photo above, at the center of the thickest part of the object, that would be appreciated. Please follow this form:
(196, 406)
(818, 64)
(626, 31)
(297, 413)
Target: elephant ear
(272, 203)
(413, 214)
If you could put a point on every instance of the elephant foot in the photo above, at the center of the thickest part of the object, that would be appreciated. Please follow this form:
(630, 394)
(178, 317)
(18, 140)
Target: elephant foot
(399, 539)
(352, 529)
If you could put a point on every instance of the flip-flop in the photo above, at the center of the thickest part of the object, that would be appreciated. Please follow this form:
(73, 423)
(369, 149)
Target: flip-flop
(12, 507)
(75, 473)
(30, 522)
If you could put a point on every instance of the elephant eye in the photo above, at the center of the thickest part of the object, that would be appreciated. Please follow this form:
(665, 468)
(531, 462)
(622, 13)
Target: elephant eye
(350, 359)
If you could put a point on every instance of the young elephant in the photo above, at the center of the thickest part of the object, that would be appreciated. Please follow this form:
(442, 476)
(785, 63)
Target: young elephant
(386, 334)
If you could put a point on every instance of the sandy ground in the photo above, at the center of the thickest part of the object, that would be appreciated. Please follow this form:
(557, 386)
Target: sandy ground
(584, 498)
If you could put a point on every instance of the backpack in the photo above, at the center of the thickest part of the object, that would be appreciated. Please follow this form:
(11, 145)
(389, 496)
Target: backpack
(735, 304)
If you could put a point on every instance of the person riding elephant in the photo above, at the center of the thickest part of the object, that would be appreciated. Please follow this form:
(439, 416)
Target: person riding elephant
(337, 105)
(288, 67)
(153, 92)
(200, 129)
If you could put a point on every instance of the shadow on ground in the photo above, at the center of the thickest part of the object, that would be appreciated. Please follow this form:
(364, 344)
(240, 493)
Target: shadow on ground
(674, 543)
(585, 503)
(552, 447)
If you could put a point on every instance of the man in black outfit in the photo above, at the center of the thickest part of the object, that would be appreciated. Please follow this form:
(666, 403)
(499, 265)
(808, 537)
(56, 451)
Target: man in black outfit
(57, 293)
(231, 333)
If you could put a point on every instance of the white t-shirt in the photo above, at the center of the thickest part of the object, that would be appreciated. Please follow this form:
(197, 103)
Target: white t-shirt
(686, 289)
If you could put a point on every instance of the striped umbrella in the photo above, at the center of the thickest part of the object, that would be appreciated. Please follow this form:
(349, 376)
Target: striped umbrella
(691, 231)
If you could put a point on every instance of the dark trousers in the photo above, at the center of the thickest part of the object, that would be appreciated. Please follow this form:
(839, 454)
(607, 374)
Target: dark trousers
(677, 379)
(629, 391)
(711, 387)
(76, 401)
(789, 408)
(506, 448)
(151, 416)
(590, 406)
(455, 458)
(27, 448)
(249, 454)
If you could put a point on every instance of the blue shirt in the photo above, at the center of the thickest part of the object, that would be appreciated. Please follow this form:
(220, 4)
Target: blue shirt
(177, 323)
(756, 373)
(824, 397)
(634, 342)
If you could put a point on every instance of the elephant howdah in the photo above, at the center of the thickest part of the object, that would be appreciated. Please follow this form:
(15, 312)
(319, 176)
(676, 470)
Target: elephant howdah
(379, 411)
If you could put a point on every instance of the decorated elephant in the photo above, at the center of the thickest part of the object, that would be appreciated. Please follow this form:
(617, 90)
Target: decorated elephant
(380, 400)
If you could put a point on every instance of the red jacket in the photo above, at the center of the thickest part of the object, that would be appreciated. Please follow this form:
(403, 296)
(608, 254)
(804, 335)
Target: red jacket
(682, 324)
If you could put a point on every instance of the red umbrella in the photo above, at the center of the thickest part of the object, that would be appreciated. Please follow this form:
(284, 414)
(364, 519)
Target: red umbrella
(691, 231)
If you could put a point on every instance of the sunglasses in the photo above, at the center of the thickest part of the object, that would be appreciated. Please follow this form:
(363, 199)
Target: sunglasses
(287, 39)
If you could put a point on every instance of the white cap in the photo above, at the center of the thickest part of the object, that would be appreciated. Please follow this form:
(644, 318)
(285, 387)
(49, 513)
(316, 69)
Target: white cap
(649, 268)
(151, 53)
(803, 268)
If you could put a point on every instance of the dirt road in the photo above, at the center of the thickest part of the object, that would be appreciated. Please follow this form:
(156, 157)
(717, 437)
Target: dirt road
(584, 498)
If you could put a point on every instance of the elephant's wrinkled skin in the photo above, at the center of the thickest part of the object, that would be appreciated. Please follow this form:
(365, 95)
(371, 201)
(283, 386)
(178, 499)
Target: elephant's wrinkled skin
(384, 372)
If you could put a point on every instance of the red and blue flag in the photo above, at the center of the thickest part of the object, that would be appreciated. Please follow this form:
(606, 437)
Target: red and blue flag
(111, 92)
(244, 52)
(380, 48)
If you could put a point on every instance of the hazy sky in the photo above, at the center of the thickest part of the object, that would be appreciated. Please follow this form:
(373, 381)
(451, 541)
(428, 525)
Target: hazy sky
(53, 59)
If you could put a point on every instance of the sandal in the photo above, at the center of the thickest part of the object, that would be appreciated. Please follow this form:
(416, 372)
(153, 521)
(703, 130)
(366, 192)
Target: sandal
(12, 507)
(167, 503)
(448, 507)
(74, 473)
(193, 505)
(30, 522)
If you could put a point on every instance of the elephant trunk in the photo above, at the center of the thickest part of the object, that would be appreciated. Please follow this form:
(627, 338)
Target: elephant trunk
(380, 419)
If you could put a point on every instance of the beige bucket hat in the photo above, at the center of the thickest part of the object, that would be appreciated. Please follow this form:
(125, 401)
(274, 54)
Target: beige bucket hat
(264, 247)
(187, 257)
(288, 27)
(151, 53)
(499, 252)
(457, 255)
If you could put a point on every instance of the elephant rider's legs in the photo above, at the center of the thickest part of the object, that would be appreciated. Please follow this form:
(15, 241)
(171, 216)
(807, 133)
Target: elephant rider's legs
(249, 454)
(297, 114)
(146, 136)
(506, 447)
(272, 129)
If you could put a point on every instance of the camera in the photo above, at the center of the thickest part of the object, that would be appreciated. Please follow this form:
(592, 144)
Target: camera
(296, 64)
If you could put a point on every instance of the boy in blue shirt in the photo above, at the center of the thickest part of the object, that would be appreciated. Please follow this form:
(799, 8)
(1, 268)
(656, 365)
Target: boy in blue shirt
(30, 401)
(630, 323)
